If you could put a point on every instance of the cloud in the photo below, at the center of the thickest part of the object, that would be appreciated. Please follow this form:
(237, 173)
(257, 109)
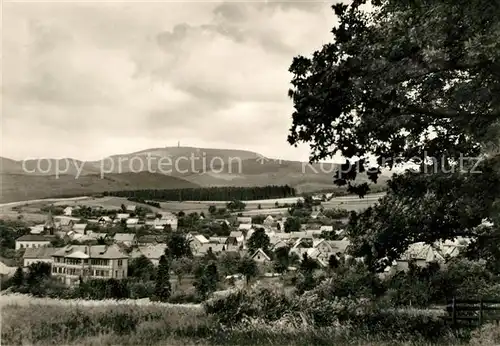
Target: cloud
(82, 79)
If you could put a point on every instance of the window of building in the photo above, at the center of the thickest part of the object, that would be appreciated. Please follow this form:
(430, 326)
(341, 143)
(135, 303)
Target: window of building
(116, 273)
(120, 262)
(99, 262)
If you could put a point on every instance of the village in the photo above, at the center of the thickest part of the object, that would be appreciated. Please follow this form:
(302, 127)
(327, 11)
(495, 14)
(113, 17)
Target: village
(94, 242)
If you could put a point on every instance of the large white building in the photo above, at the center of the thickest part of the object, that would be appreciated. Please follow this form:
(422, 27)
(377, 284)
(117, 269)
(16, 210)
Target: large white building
(33, 241)
(89, 262)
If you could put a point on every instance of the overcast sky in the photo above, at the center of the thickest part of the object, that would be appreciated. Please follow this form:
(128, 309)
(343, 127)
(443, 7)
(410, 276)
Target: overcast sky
(87, 80)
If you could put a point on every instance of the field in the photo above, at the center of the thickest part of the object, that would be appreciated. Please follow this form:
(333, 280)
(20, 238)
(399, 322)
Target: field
(34, 321)
(30, 209)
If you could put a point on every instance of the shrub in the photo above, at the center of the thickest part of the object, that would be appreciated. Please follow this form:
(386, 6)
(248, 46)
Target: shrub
(184, 298)
(488, 334)
(139, 289)
(237, 306)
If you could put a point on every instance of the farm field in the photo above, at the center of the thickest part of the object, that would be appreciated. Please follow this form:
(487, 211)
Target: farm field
(30, 209)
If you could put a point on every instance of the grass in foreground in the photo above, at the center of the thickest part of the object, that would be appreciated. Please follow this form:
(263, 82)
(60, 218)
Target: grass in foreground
(34, 321)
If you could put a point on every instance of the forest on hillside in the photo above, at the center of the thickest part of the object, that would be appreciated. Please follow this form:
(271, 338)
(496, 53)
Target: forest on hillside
(209, 193)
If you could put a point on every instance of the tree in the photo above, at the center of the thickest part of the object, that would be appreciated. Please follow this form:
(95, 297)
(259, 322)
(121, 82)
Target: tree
(212, 209)
(409, 82)
(37, 272)
(178, 246)
(57, 242)
(248, 268)
(224, 229)
(258, 219)
(181, 267)
(308, 265)
(142, 268)
(281, 259)
(228, 263)
(210, 255)
(333, 262)
(292, 224)
(236, 205)
(258, 240)
(163, 288)
(206, 278)
(103, 241)
(18, 277)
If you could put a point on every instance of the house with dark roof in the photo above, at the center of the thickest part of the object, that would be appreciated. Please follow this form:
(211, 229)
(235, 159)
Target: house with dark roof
(216, 249)
(151, 239)
(33, 241)
(41, 254)
(80, 262)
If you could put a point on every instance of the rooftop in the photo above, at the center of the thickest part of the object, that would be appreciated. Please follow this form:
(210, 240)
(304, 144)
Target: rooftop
(36, 237)
(40, 253)
(94, 251)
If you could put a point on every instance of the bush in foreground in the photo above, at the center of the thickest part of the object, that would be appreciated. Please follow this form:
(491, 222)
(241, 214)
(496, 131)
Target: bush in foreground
(359, 316)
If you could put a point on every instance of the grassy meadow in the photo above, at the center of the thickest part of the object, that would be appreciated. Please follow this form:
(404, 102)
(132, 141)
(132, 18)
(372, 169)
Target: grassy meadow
(31, 211)
(35, 321)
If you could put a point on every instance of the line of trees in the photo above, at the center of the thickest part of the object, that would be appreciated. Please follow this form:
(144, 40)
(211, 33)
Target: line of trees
(143, 201)
(209, 193)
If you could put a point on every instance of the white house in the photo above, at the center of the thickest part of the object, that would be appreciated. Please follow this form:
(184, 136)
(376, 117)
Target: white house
(421, 253)
(37, 229)
(65, 223)
(131, 208)
(128, 239)
(79, 228)
(326, 228)
(68, 211)
(197, 241)
(235, 238)
(244, 219)
(170, 219)
(89, 262)
(245, 226)
(132, 223)
(104, 220)
(33, 241)
(269, 220)
(261, 257)
(121, 216)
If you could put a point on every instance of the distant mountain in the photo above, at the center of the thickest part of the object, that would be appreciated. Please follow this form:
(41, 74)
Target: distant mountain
(162, 168)
(20, 187)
